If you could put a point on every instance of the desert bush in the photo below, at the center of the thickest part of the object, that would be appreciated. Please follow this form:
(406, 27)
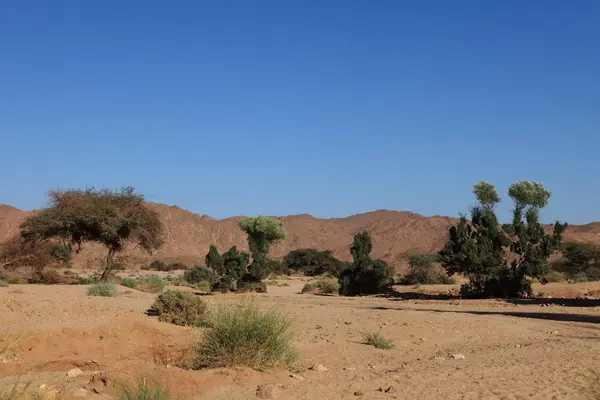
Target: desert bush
(323, 285)
(252, 286)
(129, 282)
(180, 308)
(555, 276)
(204, 286)
(425, 270)
(312, 262)
(364, 275)
(103, 290)
(150, 284)
(378, 341)
(118, 267)
(3, 284)
(244, 335)
(17, 280)
(144, 391)
(48, 276)
(276, 267)
(198, 274)
(262, 233)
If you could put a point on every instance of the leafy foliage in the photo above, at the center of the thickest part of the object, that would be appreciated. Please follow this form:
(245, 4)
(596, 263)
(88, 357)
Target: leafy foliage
(378, 341)
(478, 248)
(262, 232)
(111, 218)
(214, 261)
(144, 391)
(313, 262)
(63, 253)
(582, 262)
(244, 335)
(425, 269)
(180, 308)
(324, 285)
(364, 276)
(3, 283)
(150, 284)
(103, 290)
(199, 274)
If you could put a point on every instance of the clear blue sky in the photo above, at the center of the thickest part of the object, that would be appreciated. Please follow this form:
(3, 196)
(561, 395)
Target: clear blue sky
(283, 107)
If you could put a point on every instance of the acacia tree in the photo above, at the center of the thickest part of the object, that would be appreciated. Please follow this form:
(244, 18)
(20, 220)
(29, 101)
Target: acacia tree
(364, 276)
(478, 248)
(235, 264)
(262, 232)
(111, 218)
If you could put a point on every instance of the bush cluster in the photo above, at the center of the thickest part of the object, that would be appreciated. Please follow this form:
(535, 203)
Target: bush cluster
(327, 285)
(426, 270)
(103, 290)
(180, 308)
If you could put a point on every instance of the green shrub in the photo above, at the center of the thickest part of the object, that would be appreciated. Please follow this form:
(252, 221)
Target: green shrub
(180, 308)
(323, 285)
(246, 286)
(3, 284)
(555, 276)
(145, 268)
(198, 274)
(146, 392)
(204, 286)
(378, 341)
(312, 262)
(118, 267)
(425, 270)
(17, 280)
(151, 284)
(103, 289)
(129, 282)
(244, 335)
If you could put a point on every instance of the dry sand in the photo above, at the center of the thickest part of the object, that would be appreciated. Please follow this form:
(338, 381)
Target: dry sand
(511, 350)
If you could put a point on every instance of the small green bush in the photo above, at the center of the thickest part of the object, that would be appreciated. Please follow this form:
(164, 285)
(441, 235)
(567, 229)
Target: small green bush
(204, 286)
(425, 270)
(555, 276)
(3, 284)
(378, 341)
(146, 392)
(129, 282)
(252, 286)
(244, 335)
(180, 308)
(103, 289)
(17, 280)
(198, 274)
(324, 285)
(150, 284)
(118, 267)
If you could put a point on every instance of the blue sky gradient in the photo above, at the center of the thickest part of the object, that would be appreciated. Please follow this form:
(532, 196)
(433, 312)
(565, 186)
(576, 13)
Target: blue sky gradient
(284, 107)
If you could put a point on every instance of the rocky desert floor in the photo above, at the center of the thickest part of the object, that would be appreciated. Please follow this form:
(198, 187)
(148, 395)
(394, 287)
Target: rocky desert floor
(57, 341)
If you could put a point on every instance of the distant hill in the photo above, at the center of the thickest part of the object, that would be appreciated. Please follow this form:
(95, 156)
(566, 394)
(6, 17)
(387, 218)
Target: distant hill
(395, 234)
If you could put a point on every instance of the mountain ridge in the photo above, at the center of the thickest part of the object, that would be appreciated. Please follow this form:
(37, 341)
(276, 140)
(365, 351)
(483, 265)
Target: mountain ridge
(395, 234)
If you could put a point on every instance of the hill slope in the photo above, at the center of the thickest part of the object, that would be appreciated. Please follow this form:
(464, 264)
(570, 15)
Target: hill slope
(395, 233)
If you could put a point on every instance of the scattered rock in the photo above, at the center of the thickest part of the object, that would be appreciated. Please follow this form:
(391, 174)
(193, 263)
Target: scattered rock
(390, 389)
(80, 393)
(349, 369)
(359, 393)
(319, 368)
(74, 373)
(554, 332)
(458, 356)
(347, 322)
(268, 391)
(296, 376)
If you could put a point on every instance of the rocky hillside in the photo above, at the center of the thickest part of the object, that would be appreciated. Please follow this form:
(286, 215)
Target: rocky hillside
(395, 234)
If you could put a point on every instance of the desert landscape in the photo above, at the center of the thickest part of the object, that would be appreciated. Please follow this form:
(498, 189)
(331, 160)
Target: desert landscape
(412, 342)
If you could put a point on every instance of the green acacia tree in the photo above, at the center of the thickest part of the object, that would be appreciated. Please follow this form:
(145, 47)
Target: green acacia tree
(214, 261)
(111, 218)
(262, 232)
(364, 275)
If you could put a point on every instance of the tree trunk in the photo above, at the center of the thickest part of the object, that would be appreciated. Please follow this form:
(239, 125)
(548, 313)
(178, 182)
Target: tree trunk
(109, 265)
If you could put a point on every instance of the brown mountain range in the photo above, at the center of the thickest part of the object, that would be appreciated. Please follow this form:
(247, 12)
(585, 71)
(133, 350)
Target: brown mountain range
(395, 234)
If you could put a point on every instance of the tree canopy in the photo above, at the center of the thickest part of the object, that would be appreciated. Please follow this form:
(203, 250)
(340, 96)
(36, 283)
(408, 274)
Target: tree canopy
(111, 218)
(262, 232)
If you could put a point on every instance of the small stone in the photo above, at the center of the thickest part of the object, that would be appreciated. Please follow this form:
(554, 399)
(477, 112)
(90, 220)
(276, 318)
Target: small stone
(458, 356)
(296, 376)
(554, 332)
(359, 393)
(347, 322)
(390, 389)
(80, 393)
(268, 391)
(51, 394)
(319, 368)
(74, 373)
(518, 346)
(42, 386)
(349, 369)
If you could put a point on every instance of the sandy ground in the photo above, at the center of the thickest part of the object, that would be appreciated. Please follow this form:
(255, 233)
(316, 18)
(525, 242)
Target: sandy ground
(537, 349)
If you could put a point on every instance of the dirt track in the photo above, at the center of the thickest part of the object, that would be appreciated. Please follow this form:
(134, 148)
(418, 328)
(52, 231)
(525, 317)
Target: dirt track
(511, 351)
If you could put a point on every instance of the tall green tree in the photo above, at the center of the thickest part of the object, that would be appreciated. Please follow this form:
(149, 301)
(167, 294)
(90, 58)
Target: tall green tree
(214, 261)
(262, 232)
(364, 276)
(110, 218)
(478, 248)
